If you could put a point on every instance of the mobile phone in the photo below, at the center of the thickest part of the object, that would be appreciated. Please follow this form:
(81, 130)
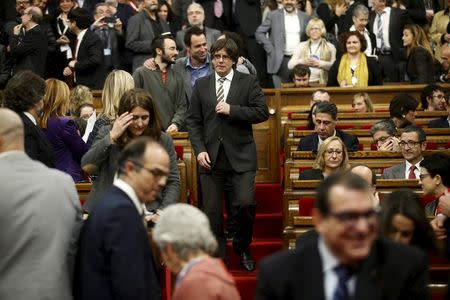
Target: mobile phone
(110, 20)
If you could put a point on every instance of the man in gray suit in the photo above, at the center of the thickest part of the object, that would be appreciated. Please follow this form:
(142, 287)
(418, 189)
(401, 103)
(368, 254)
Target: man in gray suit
(412, 144)
(40, 217)
(286, 28)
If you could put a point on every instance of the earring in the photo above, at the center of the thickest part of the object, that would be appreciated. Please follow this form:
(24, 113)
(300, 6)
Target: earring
(403, 116)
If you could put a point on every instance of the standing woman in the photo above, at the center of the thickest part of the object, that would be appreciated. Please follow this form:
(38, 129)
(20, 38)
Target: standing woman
(420, 64)
(360, 19)
(61, 131)
(63, 36)
(316, 53)
(354, 68)
(137, 116)
(170, 22)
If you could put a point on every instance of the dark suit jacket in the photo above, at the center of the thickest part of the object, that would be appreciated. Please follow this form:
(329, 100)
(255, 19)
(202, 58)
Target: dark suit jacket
(311, 174)
(208, 130)
(375, 77)
(29, 51)
(114, 259)
(311, 142)
(89, 69)
(392, 271)
(439, 123)
(420, 66)
(37, 145)
(247, 14)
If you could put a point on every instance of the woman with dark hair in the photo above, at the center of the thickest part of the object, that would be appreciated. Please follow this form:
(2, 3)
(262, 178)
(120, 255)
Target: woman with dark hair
(402, 110)
(170, 22)
(137, 116)
(403, 219)
(354, 68)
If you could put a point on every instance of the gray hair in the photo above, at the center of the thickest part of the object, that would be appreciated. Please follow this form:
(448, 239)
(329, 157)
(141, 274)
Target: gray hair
(196, 5)
(186, 229)
(360, 10)
(384, 125)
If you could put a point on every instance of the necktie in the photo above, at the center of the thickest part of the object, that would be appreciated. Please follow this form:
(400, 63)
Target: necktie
(380, 29)
(412, 175)
(218, 8)
(220, 93)
(344, 273)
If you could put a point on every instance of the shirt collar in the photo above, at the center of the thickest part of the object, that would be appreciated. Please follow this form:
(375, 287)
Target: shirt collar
(81, 35)
(329, 261)
(294, 13)
(10, 153)
(229, 76)
(188, 63)
(30, 116)
(408, 164)
(127, 189)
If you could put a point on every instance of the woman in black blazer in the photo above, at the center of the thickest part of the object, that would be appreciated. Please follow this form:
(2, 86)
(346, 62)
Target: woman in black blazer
(331, 157)
(420, 64)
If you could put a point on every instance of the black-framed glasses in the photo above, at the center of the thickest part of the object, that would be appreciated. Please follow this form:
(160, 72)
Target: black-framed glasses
(157, 173)
(439, 96)
(410, 144)
(382, 139)
(423, 176)
(350, 218)
(223, 57)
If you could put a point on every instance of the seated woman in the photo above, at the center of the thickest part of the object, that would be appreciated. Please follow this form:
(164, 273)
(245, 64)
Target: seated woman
(61, 131)
(316, 53)
(331, 157)
(403, 219)
(420, 64)
(354, 68)
(137, 116)
(362, 103)
(402, 110)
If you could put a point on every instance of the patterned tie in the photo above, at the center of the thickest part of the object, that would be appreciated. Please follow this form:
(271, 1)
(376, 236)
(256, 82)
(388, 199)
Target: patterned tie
(220, 93)
(218, 8)
(412, 175)
(344, 273)
(380, 29)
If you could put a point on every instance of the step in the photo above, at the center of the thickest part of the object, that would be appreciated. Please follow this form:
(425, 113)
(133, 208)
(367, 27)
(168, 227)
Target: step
(259, 249)
(245, 283)
(269, 198)
(268, 226)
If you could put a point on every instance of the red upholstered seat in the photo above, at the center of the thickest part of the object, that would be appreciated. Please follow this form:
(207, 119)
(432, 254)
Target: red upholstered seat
(179, 151)
(306, 205)
(432, 146)
(301, 127)
(344, 126)
(303, 169)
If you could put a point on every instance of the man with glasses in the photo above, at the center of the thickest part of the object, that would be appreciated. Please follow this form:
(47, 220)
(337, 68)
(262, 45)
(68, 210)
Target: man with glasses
(443, 122)
(412, 144)
(164, 84)
(384, 135)
(325, 115)
(433, 98)
(344, 259)
(114, 251)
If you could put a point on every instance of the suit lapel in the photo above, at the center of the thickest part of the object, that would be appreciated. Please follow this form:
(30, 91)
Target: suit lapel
(283, 30)
(233, 87)
(300, 21)
(313, 281)
(212, 89)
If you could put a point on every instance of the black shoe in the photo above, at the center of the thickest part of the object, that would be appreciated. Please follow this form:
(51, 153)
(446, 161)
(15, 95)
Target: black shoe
(229, 235)
(247, 261)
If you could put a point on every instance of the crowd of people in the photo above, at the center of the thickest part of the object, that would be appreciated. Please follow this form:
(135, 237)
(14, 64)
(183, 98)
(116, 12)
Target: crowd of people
(199, 67)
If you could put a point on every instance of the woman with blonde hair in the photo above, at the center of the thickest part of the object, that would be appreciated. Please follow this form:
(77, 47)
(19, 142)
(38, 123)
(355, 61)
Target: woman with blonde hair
(316, 53)
(61, 131)
(420, 64)
(362, 103)
(116, 84)
(79, 96)
(331, 157)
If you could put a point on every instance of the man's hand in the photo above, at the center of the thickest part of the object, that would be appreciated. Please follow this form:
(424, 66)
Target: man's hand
(99, 23)
(223, 108)
(17, 28)
(62, 40)
(429, 14)
(72, 64)
(203, 160)
(438, 227)
(340, 10)
(444, 203)
(150, 64)
(120, 125)
(67, 71)
(172, 128)
(118, 25)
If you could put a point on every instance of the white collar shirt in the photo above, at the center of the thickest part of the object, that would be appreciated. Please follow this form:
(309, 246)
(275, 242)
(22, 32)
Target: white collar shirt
(226, 84)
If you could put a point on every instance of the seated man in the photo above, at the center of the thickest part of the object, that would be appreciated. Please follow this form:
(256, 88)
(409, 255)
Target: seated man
(384, 136)
(443, 122)
(412, 144)
(319, 95)
(432, 98)
(325, 115)
(300, 76)
(371, 178)
(443, 72)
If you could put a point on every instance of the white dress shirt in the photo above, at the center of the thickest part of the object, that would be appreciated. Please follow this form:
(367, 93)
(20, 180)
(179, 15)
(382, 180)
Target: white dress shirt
(292, 29)
(79, 38)
(416, 171)
(226, 84)
(385, 21)
(30, 116)
(127, 189)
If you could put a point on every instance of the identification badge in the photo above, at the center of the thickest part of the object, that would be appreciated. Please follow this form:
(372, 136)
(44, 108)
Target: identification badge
(106, 52)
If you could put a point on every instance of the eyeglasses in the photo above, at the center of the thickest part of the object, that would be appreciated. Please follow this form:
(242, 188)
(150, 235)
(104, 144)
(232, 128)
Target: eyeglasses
(336, 151)
(382, 139)
(223, 57)
(349, 218)
(410, 144)
(157, 173)
(423, 176)
(439, 96)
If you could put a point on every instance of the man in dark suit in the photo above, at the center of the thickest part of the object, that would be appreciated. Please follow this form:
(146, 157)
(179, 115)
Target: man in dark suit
(345, 259)
(389, 43)
(23, 94)
(87, 64)
(114, 259)
(443, 122)
(224, 105)
(325, 115)
(28, 43)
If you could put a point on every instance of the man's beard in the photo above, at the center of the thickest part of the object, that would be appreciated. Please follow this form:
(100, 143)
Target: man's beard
(166, 59)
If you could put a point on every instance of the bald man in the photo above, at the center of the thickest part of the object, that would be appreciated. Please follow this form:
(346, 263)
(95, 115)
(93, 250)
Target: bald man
(370, 177)
(40, 217)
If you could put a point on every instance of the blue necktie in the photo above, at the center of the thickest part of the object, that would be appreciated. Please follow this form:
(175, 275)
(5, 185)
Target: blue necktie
(344, 273)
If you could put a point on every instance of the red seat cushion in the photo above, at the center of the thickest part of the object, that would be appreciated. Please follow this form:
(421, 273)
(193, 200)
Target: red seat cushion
(306, 205)
(432, 146)
(366, 126)
(303, 169)
(344, 126)
(179, 151)
(301, 127)
(373, 147)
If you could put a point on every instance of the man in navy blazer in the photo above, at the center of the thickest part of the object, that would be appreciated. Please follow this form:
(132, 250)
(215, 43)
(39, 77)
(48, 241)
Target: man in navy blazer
(325, 115)
(443, 122)
(114, 259)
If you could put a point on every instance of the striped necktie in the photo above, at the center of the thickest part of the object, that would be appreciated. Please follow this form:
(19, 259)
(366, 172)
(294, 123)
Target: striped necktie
(380, 29)
(220, 92)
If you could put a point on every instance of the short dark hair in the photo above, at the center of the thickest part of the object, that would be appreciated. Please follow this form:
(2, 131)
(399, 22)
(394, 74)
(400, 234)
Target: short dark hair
(346, 35)
(347, 179)
(327, 108)
(421, 135)
(438, 164)
(401, 104)
(134, 151)
(386, 125)
(23, 91)
(300, 70)
(80, 16)
(235, 37)
(428, 92)
(194, 30)
(158, 42)
(228, 45)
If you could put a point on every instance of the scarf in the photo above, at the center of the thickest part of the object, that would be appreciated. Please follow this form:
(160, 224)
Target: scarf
(361, 72)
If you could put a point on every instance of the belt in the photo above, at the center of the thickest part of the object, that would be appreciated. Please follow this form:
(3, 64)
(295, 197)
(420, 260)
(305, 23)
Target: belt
(384, 52)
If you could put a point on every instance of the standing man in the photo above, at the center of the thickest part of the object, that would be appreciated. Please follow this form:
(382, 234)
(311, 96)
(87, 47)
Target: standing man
(40, 217)
(87, 64)
(412, 144)
(115, 259)
(223, 107)
(279, 34)
(28, 43)
(164, 84)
